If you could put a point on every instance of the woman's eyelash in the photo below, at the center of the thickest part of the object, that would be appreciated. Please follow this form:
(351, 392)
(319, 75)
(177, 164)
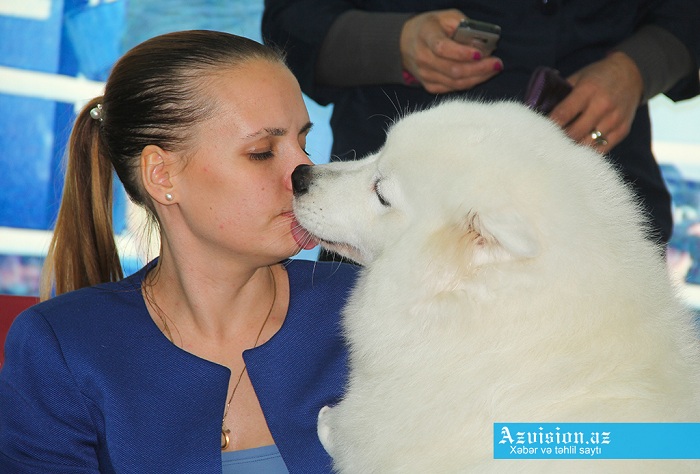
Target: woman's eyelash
(269, 154)
(262, 156)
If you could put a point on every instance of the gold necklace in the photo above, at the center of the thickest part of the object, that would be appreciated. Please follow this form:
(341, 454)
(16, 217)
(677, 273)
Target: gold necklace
(225, 432)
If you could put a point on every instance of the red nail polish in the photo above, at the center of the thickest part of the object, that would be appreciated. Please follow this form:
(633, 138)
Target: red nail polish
(476, 56)
(409, 79)
(498, 66)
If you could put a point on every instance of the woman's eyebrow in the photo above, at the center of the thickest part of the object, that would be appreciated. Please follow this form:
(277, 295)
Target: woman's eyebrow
(279, 132)
(275, 132)
(306, 128)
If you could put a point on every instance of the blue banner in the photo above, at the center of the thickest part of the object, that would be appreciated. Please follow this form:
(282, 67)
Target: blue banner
(596, 440)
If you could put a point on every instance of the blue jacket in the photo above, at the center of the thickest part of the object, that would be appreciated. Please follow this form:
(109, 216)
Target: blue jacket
(90, 384)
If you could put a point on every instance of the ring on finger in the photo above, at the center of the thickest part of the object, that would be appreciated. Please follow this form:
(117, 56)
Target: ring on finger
(598, 138)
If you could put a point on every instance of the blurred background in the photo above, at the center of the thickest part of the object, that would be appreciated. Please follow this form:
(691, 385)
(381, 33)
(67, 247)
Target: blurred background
(55, 55)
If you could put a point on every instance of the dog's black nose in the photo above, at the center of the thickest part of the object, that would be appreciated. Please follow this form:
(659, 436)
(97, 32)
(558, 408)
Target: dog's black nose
(301, 178)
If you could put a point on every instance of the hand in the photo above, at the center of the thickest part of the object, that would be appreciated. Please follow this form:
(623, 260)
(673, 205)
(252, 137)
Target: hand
(439, 63)
(605, 97)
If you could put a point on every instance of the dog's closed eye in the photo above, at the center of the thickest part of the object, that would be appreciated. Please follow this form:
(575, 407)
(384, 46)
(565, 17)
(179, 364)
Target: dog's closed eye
(382, 200)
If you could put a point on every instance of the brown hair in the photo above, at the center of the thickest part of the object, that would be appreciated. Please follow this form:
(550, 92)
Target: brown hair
(152, 97)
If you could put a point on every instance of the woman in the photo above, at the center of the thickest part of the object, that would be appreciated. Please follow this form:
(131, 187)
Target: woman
(214, 350)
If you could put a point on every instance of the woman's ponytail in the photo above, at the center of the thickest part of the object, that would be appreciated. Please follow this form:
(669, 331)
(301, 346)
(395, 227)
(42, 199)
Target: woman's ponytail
(83, 251)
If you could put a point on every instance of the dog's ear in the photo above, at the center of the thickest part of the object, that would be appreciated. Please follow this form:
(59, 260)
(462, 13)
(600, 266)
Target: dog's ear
(505, 230)
(459, 249)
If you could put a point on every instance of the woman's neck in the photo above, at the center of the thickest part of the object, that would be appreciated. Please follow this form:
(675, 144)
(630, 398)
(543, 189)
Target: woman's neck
(214, 303)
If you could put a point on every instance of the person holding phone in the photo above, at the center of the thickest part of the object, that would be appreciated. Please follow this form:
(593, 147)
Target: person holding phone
(375, 60)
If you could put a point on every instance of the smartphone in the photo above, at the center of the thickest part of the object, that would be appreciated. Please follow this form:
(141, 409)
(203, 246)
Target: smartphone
(478, 34)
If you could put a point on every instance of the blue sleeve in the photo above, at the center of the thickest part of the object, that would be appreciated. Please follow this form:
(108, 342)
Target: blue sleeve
(45, 422)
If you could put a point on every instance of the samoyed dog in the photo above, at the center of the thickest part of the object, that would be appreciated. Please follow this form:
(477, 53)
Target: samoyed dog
(507, 278)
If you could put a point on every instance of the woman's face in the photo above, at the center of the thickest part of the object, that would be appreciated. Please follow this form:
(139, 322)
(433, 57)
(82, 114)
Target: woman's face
(235, 193)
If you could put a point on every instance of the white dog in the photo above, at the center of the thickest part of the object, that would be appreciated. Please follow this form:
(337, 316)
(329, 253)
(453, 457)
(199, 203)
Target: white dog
(507, 279)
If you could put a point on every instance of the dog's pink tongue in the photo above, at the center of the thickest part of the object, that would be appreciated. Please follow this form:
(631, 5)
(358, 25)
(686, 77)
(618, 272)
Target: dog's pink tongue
(302, 237)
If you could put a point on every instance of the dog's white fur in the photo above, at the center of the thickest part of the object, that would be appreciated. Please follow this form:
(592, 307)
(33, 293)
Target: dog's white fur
(507, 279)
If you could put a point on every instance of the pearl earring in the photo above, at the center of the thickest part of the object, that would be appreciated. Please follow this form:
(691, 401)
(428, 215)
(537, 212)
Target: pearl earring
(168, 197)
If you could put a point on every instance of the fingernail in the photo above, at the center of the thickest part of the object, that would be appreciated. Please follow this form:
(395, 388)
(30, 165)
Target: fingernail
(498, 66)
(409, 79)
(476, 56)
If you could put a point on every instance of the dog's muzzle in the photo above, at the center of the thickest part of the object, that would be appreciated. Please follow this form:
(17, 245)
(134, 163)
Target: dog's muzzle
(301, 179)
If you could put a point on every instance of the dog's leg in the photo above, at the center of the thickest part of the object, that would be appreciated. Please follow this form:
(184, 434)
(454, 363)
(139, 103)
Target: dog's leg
(324, 429)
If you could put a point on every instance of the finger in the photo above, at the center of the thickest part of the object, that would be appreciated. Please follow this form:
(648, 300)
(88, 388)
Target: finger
(596, 139)
(481, 72)
(447, 48)
(450, 19)
(431, 66)
(611, 134)
(602, 136)
(568, 110)
(580, 113)
(453, 76)
(599, 116)
(582, 128)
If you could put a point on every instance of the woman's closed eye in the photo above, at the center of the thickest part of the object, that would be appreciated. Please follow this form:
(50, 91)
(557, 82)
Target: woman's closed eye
(263, 155)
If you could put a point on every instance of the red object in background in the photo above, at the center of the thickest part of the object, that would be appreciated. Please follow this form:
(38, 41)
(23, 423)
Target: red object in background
(11, 306)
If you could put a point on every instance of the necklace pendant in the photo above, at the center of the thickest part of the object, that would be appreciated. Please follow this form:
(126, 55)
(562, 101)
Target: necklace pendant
(225, 432)
(225, 439)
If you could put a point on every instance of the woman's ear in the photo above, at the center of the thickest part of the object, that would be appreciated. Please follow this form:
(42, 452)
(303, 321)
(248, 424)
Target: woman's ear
(155, 173)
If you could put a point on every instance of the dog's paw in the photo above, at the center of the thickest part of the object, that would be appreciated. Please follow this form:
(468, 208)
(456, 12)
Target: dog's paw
(323, 427)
